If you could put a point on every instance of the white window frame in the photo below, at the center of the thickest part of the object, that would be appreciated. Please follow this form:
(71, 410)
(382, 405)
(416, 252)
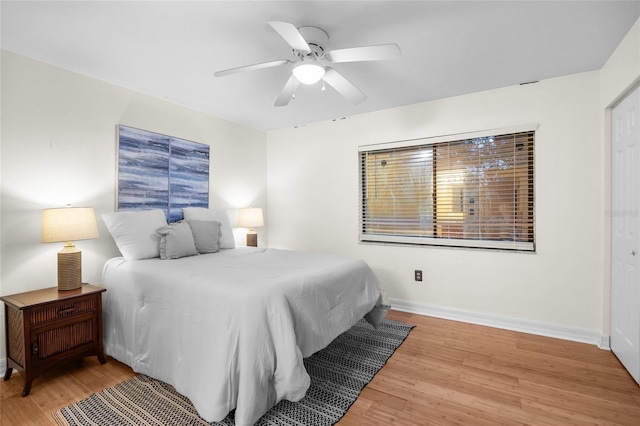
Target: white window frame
(437, 241)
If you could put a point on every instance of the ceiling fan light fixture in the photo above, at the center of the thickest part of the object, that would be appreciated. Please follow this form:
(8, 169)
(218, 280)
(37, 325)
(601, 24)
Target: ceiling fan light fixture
(308, 73)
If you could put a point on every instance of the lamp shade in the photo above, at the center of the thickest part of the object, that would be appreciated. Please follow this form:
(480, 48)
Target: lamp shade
(68, 224)
(250, 217)
(308, 72)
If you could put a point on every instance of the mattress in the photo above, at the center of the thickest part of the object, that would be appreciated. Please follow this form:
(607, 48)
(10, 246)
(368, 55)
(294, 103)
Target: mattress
(229, 330)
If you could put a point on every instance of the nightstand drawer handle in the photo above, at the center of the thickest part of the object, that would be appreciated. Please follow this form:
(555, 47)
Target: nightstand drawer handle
(66, 311)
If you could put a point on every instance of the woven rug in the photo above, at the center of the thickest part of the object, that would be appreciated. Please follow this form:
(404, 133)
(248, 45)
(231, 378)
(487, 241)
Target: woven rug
(338, 374)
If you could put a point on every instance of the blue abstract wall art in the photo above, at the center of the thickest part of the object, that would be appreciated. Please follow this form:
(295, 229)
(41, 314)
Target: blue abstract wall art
(161, 172)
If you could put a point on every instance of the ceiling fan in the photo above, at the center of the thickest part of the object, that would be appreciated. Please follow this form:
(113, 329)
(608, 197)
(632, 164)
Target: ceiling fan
(312, 61)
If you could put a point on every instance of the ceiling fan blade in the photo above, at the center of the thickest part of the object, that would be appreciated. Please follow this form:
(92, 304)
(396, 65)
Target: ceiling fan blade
(251, 67)
(287, 92)
(366, 53)
(291, 35)
(343, 86)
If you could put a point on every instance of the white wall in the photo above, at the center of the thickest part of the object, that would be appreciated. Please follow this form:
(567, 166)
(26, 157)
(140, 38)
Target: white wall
(313, 203)
(621, 72)
(59, 147)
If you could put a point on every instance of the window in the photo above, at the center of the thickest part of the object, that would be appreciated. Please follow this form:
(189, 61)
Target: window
(472, 190)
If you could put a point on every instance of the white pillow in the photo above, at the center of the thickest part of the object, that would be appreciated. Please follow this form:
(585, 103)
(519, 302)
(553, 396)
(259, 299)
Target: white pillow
(135, 232)
(200, 213)
(176, 241)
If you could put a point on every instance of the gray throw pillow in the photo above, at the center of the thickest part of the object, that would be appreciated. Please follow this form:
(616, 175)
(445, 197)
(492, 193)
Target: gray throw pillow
(176, 241)
(379, 311)
(206, 234)
(377, 314)
(200, 213)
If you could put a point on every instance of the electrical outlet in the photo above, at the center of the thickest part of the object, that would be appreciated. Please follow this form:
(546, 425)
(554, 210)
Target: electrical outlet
(418, 275)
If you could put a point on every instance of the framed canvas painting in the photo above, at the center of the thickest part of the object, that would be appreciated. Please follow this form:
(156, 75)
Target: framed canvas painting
(157, 171)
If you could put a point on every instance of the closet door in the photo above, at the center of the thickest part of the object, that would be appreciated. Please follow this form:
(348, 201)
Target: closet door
(625, 238)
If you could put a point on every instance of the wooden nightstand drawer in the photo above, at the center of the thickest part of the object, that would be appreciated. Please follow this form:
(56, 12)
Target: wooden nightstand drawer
(47, 327)
(63, 339)
(63, 310)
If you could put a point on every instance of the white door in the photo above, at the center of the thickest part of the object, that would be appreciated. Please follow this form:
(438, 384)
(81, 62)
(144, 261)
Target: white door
(625, 237)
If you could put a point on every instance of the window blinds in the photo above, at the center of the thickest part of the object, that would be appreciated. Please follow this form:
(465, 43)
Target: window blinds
(472, 192)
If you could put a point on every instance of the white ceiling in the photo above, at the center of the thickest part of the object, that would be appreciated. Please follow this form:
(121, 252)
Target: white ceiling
(170, 49)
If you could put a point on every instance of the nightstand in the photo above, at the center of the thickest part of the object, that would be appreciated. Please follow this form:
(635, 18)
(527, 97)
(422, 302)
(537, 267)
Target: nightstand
(48, 327)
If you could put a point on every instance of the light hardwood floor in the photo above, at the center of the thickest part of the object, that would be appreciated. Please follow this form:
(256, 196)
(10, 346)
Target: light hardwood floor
(445, 373)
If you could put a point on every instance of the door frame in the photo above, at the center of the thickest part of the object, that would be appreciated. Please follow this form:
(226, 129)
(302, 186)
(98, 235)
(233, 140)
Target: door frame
(609, 128)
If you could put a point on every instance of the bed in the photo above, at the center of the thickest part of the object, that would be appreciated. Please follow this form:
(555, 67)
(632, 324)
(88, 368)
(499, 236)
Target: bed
(228, 329)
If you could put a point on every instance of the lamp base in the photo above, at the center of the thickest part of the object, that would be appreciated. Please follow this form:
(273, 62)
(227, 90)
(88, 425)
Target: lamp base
(252, 239)
(69, 268)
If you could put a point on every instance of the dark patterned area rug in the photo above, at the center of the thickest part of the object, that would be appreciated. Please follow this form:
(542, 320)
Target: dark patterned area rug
(338, 373)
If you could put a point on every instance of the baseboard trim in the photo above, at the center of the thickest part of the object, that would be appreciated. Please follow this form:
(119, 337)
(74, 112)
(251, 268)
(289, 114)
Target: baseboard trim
(3, 366)
(605, 343)
(575, 334)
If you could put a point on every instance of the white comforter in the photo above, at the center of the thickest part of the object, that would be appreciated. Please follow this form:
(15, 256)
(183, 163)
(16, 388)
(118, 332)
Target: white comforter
(230, 330)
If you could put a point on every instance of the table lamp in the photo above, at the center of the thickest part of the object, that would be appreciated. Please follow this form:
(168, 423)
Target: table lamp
(69, 224)
(248, 218)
